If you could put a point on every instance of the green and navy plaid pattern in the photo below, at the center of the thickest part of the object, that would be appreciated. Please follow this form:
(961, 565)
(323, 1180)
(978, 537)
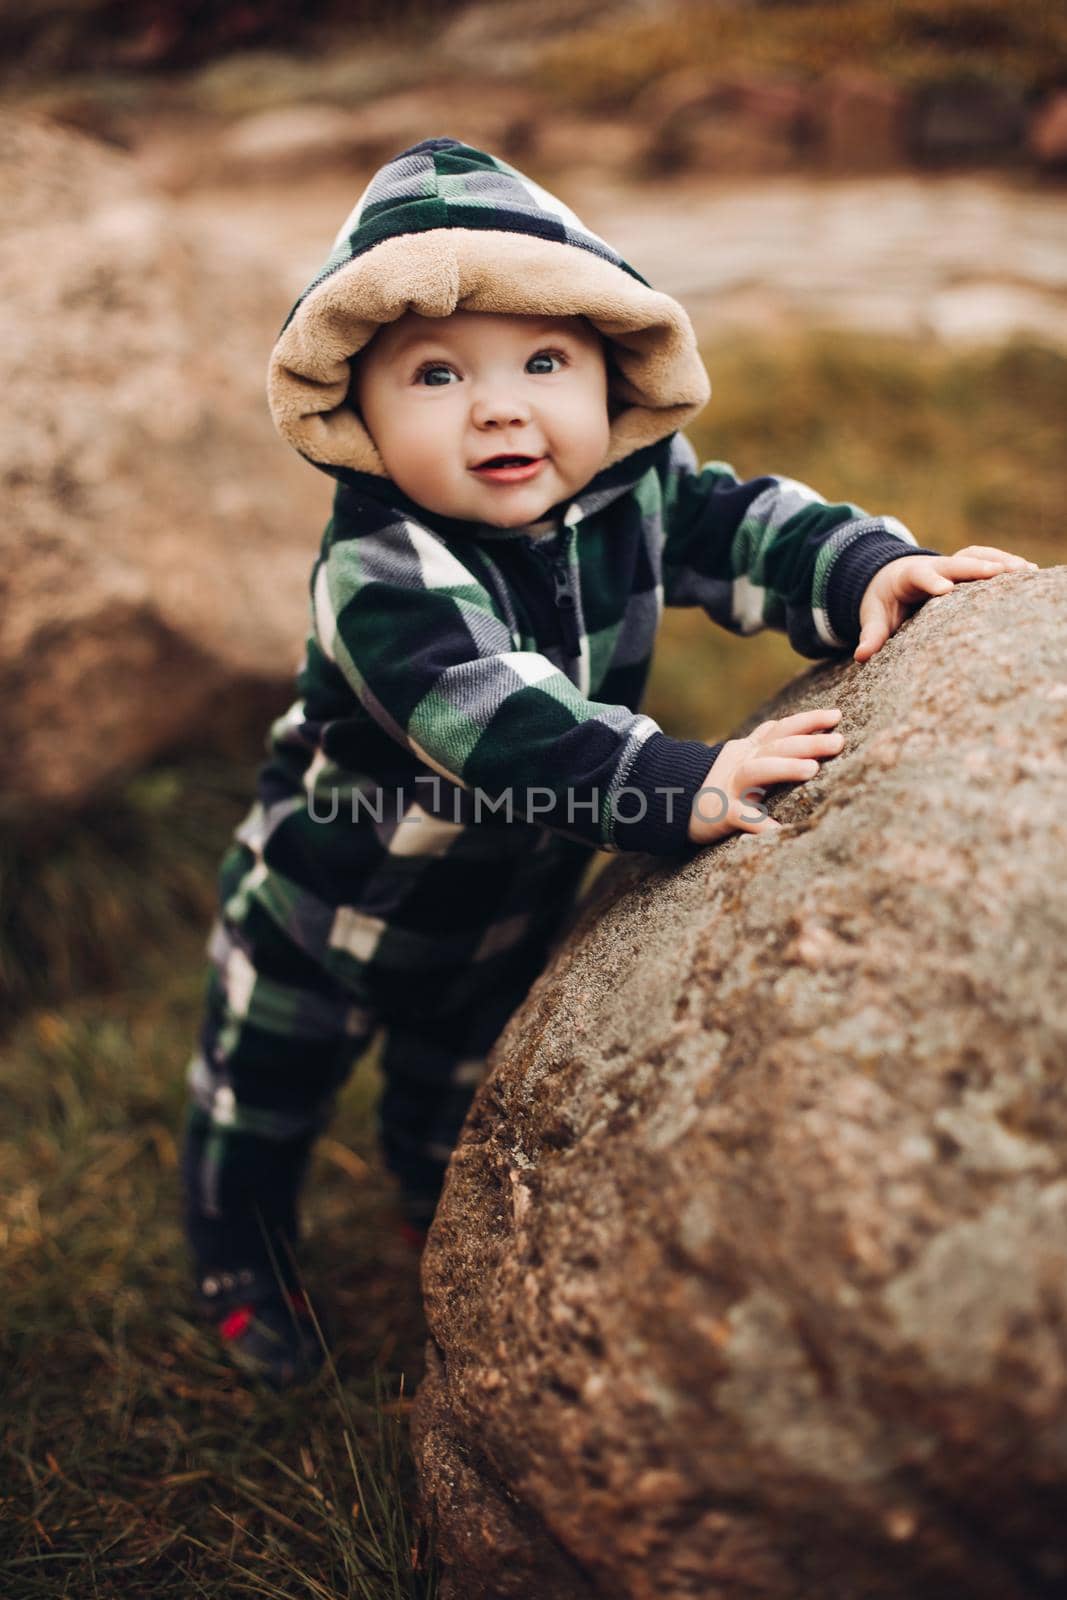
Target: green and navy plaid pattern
(280, 1034)
(466, 731)
(364, 886)
(442, 183)
(437, 648)
(450, 722)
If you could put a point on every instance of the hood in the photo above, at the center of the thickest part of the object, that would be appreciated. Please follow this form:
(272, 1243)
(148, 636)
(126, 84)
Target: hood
(444, 226)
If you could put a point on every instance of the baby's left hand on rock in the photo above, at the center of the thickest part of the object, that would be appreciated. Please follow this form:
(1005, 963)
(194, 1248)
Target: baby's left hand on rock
(904, 584)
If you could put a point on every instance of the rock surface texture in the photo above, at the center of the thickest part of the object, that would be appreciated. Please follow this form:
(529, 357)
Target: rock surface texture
(157, 537)
(749, 1278)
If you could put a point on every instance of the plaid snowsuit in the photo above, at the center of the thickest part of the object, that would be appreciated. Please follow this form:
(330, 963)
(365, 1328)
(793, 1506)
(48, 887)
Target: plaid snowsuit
(466, 733)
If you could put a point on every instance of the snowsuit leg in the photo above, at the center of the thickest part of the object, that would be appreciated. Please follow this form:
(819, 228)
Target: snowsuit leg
(435, 1054)
(281, 1033)
(278, 1039)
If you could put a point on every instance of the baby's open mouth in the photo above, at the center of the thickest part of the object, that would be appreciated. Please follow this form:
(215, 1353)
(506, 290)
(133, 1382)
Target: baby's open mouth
(505, 469)
(507, 461)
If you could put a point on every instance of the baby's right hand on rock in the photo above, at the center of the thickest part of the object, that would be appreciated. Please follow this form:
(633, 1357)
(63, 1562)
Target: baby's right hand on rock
(783, 751)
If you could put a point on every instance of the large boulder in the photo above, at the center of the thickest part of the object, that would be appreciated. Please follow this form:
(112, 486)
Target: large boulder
(157, 536)
(749, 1276)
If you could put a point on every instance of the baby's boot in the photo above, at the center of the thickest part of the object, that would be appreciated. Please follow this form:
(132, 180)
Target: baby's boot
(266, 1328)
(246, 1286)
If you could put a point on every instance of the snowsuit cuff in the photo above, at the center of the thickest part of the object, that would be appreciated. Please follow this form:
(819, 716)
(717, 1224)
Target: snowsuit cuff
(853, 571)
(667, 774)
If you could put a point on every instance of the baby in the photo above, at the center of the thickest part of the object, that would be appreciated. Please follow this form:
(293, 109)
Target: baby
(499, 397)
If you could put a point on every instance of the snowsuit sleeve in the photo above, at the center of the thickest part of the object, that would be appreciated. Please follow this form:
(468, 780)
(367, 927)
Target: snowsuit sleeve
(416, 636)
(771, 553)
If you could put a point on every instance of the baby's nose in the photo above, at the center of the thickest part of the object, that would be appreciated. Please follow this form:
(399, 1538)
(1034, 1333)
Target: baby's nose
(498, 411)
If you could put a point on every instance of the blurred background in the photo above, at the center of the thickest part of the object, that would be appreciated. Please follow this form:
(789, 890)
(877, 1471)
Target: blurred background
(863, 208)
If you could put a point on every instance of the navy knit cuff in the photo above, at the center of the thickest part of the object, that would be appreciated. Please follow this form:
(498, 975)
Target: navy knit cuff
(853, 571)
(667, 774)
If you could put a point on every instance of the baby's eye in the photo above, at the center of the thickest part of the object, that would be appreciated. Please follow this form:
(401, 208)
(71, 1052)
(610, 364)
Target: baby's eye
(432, 366)
(548, 355)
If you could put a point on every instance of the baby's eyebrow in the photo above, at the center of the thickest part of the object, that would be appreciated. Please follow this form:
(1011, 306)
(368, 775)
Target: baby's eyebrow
(416, 337)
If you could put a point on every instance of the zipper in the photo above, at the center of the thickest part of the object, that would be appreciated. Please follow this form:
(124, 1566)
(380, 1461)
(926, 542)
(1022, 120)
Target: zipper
(559, 570)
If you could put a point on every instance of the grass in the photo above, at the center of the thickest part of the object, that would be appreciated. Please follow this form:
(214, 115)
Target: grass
(131, 1462)
(963, 447)
(78, 895)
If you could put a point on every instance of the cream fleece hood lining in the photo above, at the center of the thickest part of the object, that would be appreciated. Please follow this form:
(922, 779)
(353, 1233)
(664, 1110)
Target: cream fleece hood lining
(661, 379)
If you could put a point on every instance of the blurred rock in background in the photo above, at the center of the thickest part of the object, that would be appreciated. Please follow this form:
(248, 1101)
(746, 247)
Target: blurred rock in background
(156, 538)
(1048, 134)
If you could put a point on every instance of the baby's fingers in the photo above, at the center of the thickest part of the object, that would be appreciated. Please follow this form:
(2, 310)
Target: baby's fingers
(962, 568)
(798, 722)
(989, 552)
(765, 770)
(805, 745)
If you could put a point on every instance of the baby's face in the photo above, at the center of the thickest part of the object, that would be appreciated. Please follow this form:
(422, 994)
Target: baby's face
(441, 395)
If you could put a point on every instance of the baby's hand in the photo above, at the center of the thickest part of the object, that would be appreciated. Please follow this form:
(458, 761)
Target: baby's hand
(902, 585)
(776, 752)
